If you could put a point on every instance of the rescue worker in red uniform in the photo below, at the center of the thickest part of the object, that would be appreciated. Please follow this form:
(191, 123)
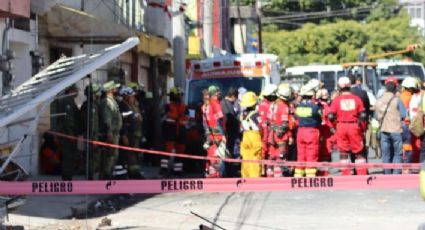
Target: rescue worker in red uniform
(279, 132)
(269, 96)
(215, 144)
(327, 130)
(309, 119)
(174, 129)
(349, 113)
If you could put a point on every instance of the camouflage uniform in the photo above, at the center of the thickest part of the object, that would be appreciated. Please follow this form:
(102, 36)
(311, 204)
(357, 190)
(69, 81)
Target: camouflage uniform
(111, 121)
(90, 120)
(68, 126)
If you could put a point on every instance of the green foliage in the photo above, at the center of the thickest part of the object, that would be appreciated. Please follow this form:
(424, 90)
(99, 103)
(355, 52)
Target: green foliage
(341, 41)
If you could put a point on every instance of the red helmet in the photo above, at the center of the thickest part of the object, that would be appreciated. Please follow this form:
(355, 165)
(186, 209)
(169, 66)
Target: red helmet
(391, 79)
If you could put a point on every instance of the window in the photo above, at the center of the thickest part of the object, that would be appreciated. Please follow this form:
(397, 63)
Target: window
(196, 86)
(328, 79)
(418, 12)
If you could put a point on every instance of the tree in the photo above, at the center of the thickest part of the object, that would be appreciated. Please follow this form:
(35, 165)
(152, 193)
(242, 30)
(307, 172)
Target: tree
(342, 41)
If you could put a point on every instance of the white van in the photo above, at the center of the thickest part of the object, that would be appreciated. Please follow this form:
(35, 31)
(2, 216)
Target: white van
(328, 74)
(400, 69)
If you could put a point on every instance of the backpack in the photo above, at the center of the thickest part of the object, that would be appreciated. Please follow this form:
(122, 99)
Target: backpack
(416, 126)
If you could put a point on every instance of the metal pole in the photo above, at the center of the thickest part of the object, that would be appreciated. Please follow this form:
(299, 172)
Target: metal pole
(260, 27)
(207, 27)
(179, 46)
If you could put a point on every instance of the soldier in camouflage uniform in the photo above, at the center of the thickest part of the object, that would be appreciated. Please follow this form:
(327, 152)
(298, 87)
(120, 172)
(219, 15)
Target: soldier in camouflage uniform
(90, 128)
(131, 132)
(111, 123)
(69, 126)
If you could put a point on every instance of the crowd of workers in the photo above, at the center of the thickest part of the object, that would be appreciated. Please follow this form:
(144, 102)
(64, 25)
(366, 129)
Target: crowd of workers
(281, 124)
(307, 125)
(111, 113)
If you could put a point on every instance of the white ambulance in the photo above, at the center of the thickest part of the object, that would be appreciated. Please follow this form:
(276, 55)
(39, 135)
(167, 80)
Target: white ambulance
(251, 71)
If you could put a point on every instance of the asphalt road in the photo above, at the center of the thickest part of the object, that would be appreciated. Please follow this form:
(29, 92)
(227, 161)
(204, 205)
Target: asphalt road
(362, 209)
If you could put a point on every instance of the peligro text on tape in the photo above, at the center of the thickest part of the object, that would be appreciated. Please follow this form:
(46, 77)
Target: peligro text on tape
(264, 162)
(405, 181)
(52, 186)
(182, 185)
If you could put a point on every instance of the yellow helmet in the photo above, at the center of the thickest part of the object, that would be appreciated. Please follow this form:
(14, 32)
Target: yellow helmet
(249, 99)
(175, 91)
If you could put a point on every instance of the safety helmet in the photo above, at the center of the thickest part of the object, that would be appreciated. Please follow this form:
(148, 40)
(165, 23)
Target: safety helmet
(213, 89)
(126, 91)
(391, 79)
(314, 84)
(249, 99)
(344, 82)
(410, 82)
(133, 85)
(269, 90)
(175, 91)
(295, 88)
(307, 90)
(322, 94)
(284, 91)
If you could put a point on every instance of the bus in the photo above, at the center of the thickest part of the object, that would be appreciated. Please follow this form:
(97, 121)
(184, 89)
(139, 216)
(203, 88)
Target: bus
(328, 74)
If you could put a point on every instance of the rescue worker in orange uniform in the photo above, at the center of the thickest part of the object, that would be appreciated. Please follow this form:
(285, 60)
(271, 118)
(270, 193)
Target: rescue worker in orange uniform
(269, 96)
(349, 113)
(309, 116)
(279, 133)
(327, 130)
(174, 129)
(409, 87)
(215, 144)
(251, 144)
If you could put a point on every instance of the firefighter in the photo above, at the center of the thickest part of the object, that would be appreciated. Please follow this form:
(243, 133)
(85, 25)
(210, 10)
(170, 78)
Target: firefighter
(327, 129)
(279, 132)
(269, 96)
(90, 127)
(174, 129)
(308, 135)
(131, 132)
(348, 111)
(251, 144)
(215, 144)
(409, 87)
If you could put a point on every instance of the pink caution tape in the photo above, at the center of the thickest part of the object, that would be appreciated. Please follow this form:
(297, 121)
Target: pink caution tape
(264, 162)
(407, 181)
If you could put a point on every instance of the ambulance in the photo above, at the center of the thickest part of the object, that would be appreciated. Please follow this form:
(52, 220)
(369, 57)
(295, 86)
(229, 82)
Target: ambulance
(250, 71)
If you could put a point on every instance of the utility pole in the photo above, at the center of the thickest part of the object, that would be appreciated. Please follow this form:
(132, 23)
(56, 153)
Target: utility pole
(238, 2)
(207, 25)
(258, 7)
(179, 45)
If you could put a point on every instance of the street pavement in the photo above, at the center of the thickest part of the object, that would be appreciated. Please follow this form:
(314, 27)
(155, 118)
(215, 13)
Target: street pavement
(354, 209)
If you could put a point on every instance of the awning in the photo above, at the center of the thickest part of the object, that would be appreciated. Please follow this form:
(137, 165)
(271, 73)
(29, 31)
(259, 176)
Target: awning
(152, 45)
(69, 24)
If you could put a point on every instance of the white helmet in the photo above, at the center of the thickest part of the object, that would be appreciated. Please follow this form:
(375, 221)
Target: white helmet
(410, 82)
(284, 91)
(269, 90)
(307, 90)
(344, 82)
(314, 84)
(322, 94)
(295, 88)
